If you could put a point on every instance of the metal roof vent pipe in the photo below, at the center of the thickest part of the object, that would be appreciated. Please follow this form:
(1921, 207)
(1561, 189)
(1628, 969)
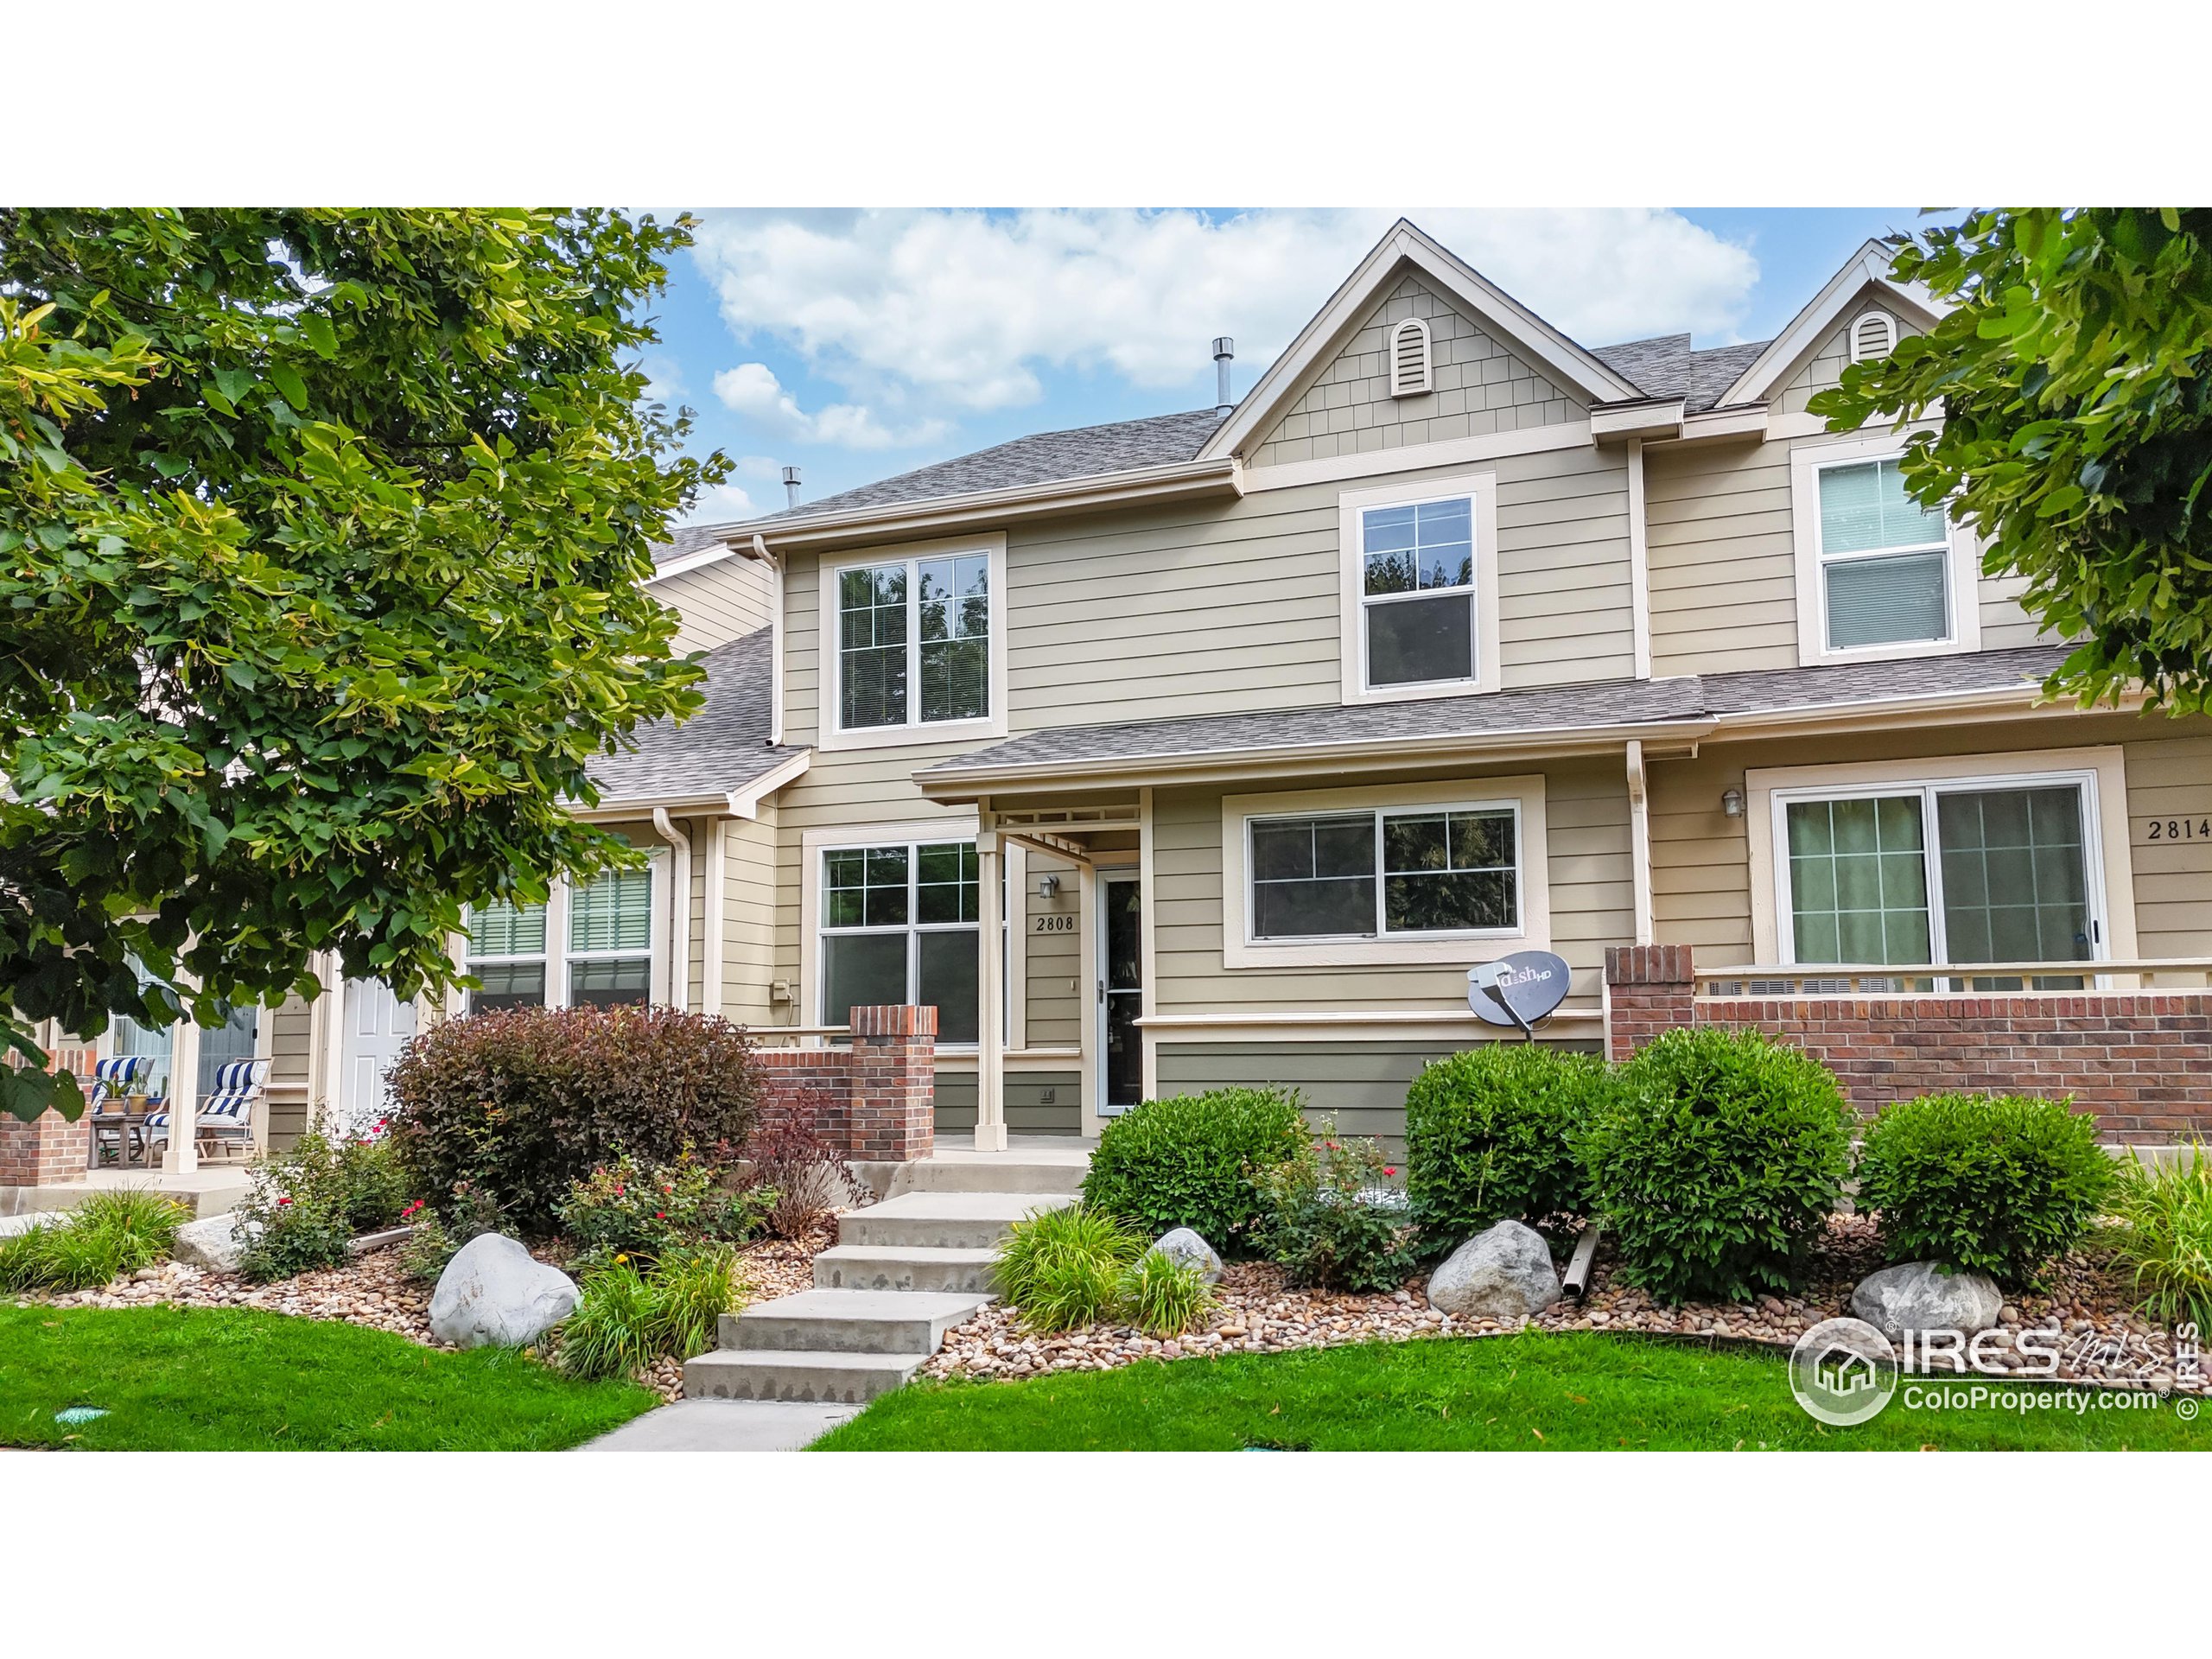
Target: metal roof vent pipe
(1225, 353)
(791, 486)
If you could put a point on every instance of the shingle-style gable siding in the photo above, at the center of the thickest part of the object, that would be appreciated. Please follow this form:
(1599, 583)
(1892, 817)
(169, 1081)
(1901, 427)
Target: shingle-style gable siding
(1825, 367)
(1482, 387)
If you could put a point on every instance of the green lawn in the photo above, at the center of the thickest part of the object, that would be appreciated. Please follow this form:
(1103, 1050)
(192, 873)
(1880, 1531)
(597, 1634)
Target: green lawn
(1529, 1393)
(240, 1380)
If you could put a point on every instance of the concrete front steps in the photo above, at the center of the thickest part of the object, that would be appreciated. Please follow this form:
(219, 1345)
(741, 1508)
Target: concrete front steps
(902, 1273)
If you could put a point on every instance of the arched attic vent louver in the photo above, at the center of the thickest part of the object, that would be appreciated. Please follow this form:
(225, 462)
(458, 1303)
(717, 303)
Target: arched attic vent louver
(1410, 358)
(1875, 334)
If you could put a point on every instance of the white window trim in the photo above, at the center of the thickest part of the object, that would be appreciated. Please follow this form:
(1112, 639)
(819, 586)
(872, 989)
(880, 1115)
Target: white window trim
(1481, 487)
(2101, 773)
(830, 661)
(1525, 795)
(813, 844)
(1962, 567)
(1399, 387)
(557, 956)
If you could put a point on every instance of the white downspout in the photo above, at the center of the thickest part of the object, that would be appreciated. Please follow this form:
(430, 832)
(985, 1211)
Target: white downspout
(679, 931)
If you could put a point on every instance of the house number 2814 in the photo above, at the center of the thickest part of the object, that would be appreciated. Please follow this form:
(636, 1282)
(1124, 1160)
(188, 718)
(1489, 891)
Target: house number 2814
(2181, 829)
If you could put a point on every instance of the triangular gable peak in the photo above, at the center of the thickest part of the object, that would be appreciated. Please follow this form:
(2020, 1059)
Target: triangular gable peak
(1479, 336)
(1811, 351)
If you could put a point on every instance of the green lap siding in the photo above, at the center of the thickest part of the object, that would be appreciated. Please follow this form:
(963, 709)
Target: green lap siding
(1026, 1111)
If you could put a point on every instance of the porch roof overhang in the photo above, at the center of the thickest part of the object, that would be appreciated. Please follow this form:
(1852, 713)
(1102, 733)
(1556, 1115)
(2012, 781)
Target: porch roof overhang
(1675, 714)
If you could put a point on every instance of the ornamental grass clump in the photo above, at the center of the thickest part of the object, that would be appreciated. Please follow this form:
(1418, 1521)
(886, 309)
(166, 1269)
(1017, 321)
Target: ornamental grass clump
(625, 1318)
(1991, 1183)
(2164, 1209)
(1064, 1269)
(1717, 1162)
(1491, 1136)
(110, 1234)
(1163, 1297)
(1189, 1160)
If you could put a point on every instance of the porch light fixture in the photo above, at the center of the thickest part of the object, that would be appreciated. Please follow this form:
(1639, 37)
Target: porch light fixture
(1047, 886)
(1731, 802)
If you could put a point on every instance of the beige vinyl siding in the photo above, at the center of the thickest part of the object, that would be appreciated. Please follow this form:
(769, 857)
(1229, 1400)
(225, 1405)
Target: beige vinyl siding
(1591, 900)
(1722, 561)
(1700, 868)
(2004, 624)
(1823, 367)
(291, 1069)
(1055, 976)
(749, 909)
(1481, 387)
(723, 601)
(1361, 1085)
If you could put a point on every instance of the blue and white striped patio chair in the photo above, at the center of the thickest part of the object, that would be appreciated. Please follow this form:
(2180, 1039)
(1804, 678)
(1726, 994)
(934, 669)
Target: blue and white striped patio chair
(111, 1084)
(225, 1116)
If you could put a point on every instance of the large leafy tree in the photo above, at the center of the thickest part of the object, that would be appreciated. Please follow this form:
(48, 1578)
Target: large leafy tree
(2073, 379)
(321, 536)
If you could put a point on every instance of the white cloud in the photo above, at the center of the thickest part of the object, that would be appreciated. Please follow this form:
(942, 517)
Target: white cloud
(960, 310)
(751, 388)
(663, 377)
(764, 468)
(723, 504)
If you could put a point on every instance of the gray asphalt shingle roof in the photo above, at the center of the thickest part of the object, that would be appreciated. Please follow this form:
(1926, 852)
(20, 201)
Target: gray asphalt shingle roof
(722, 747)
(1614, 702)
(1666, 366)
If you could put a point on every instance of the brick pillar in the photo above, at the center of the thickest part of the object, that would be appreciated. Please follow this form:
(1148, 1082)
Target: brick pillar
(1649, 988)
(891, 1110)
(48, 1150)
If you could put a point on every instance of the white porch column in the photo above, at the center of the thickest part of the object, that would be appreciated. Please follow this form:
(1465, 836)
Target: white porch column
(1639, 842)
(183, 1155)
(991, 1033)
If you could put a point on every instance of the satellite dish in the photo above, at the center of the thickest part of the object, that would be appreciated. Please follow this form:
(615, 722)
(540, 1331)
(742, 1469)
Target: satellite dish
(1517, 990)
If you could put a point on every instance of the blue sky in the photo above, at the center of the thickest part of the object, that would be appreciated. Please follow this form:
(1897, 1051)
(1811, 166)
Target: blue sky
(858, 344)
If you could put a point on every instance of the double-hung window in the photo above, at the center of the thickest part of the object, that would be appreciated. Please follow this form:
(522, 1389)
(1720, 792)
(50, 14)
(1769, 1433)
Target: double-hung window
(914, 640)
(1385, 874)
(901, 924)
(1419, 589)
(1964, 870)
(1879, 574)
(593, 946)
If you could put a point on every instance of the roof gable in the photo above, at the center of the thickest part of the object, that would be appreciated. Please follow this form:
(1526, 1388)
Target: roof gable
(1788, 351)
(1405, 248)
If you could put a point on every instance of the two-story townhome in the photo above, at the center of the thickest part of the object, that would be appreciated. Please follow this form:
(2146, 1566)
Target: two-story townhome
(1218, 748)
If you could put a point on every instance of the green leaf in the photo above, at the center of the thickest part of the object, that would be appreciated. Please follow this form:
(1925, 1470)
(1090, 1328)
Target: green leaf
(320, 335)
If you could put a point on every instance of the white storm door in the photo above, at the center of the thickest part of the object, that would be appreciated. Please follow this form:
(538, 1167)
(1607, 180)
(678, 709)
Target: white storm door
(378, 1026)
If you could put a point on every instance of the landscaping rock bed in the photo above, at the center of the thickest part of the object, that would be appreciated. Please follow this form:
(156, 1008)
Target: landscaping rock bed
(372, 1291)
(2101, 1339)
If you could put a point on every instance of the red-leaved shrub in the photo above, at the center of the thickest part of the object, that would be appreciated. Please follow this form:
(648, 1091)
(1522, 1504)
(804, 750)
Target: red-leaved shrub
(521, 1102)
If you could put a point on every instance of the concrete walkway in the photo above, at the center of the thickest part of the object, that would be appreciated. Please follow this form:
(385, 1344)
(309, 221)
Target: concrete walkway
(726, 1425)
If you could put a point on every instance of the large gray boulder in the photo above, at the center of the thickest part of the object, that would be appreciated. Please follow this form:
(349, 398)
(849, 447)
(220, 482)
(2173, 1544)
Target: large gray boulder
(1920, 1296)
(1505, 1273)
(1183, 1246)
(495, 1294)
(216, 1243)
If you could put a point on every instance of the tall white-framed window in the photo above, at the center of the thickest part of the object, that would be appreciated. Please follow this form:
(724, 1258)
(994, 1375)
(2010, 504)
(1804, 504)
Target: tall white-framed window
(900, 923)
(2002, 858)
(914, 644)
(597, 944)
(1879, 575)
(1419, 589)
(1438, 872)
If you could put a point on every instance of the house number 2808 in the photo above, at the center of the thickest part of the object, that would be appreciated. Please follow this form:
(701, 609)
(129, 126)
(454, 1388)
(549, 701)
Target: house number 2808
(2181, 829)
(1056, 924)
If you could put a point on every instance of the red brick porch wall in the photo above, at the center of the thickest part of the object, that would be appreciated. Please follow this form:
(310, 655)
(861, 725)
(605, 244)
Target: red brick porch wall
(876, 1098)
(2142, 1060)
(48, 1150)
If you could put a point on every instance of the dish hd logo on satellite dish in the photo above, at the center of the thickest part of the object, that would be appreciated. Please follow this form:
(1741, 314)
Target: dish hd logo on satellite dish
(1517, 990)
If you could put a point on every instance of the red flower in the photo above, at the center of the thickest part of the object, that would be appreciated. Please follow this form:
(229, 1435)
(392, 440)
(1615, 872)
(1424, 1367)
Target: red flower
(618, 1188)
(1390, 1169)
(281, 1203)
(661, 1214)
(1332, 1146)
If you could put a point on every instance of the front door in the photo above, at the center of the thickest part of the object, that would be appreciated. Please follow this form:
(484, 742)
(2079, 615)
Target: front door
(378, 1026)
(1120, 992)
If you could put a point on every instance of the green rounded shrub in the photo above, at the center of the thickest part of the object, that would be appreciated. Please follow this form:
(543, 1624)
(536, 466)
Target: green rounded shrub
(1188, 1161)
(1994, 1184)
(1489, 1137)
(1719, 1158)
